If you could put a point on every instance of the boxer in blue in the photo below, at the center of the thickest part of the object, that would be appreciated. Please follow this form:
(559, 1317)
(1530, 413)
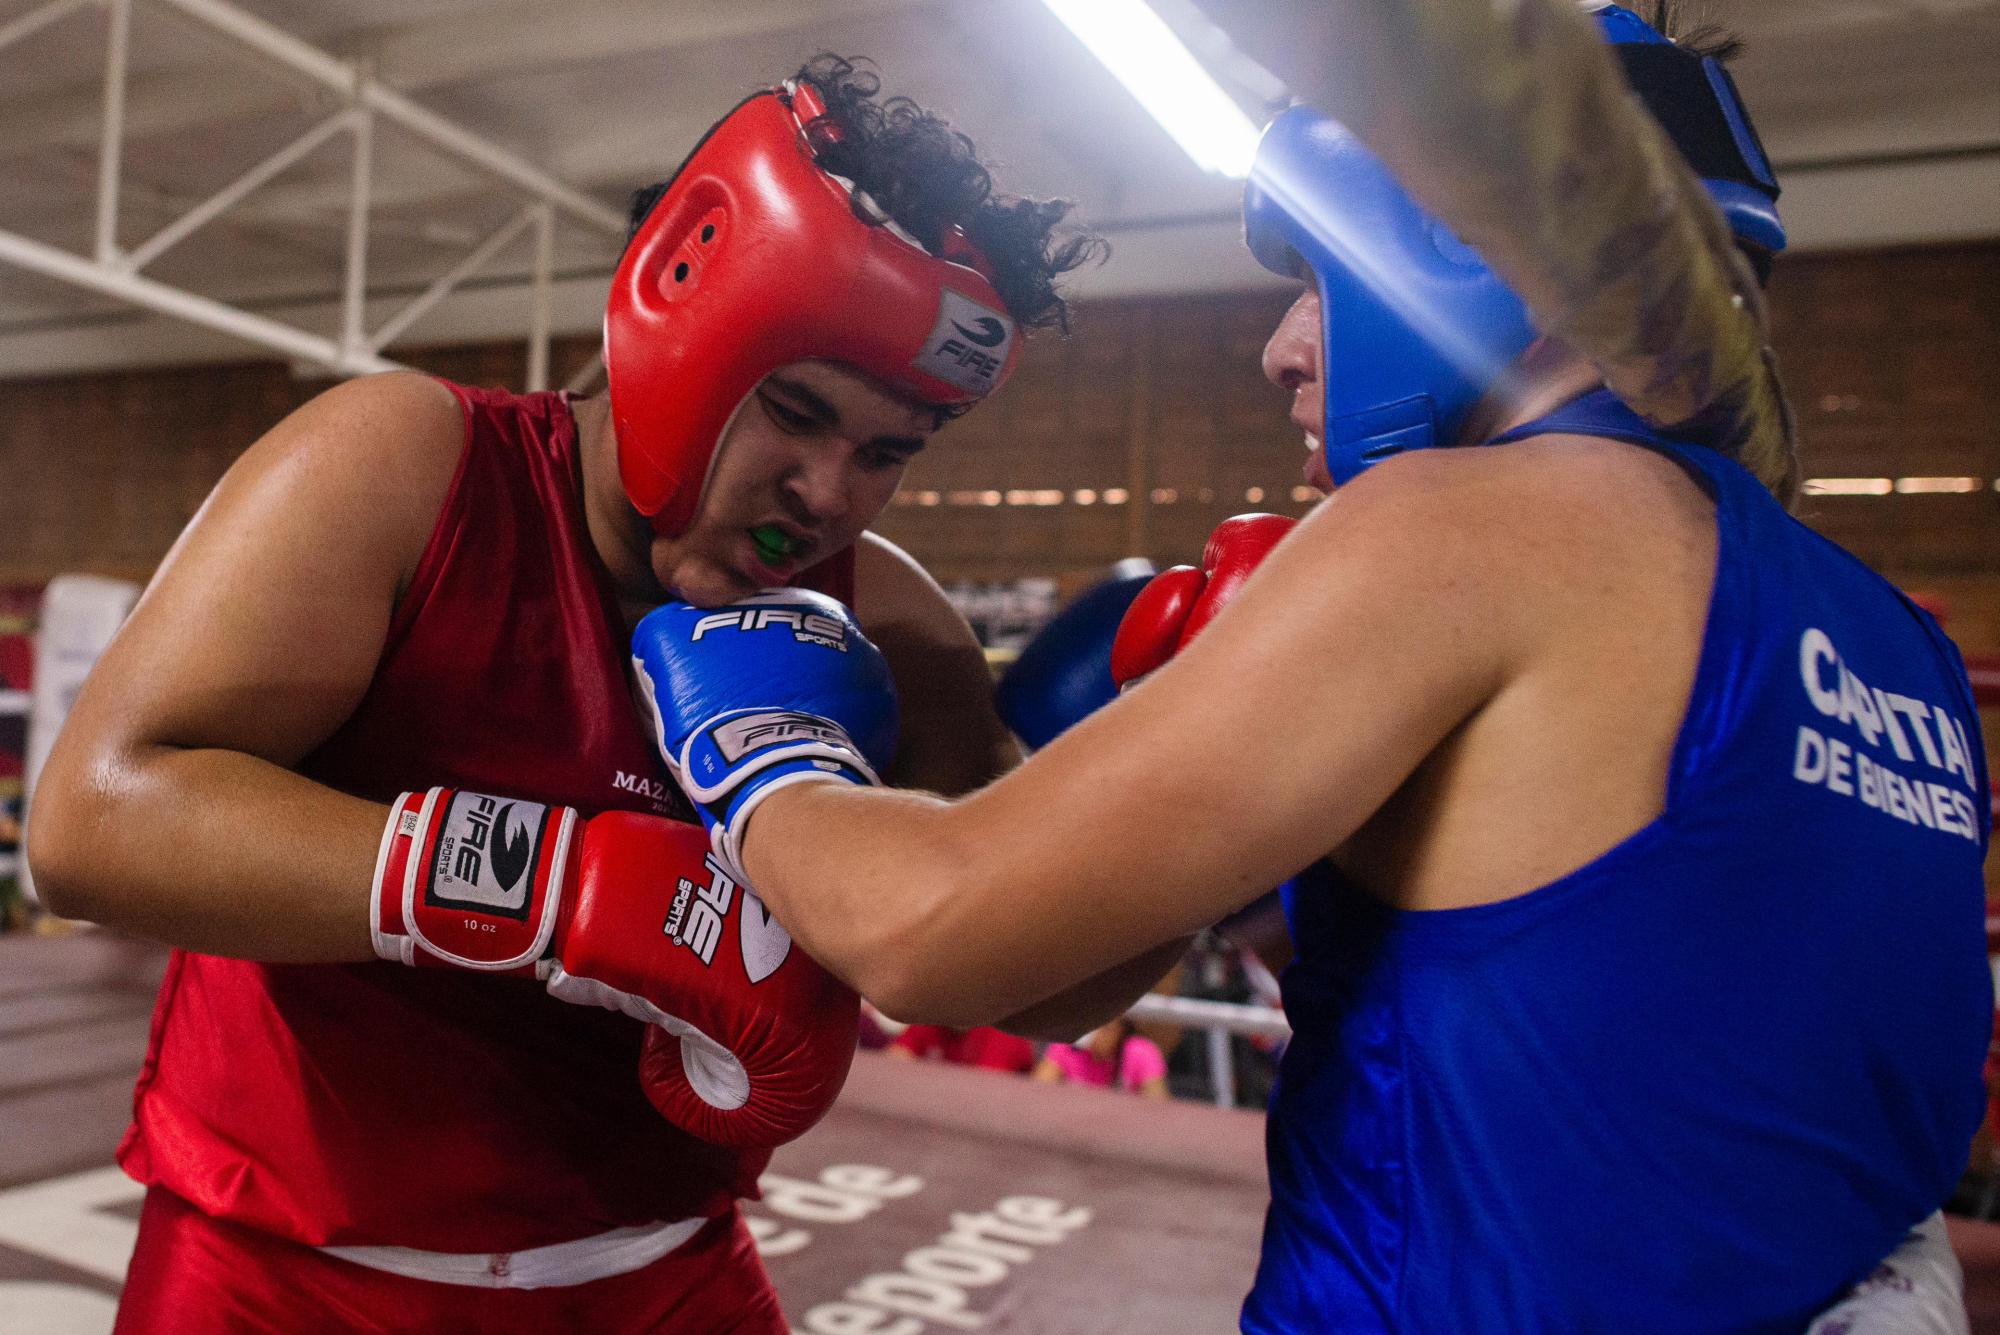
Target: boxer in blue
(1640, 979)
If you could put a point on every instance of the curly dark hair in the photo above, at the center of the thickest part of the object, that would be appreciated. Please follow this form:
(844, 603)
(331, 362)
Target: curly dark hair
(927, 177)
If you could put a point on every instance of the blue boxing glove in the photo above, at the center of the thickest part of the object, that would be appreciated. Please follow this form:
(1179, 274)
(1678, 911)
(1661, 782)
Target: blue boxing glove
(1064, 675)
(780, 688)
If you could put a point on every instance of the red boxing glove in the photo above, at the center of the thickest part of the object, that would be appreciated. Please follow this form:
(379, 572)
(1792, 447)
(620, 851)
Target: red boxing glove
(758, 1037)
(1179, 602)
(751, 1038)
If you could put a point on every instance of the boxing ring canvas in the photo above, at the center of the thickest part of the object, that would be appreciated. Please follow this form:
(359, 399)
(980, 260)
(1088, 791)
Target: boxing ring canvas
(952, 1198)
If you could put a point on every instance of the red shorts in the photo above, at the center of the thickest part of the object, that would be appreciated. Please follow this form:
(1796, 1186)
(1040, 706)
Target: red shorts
(193, 1275)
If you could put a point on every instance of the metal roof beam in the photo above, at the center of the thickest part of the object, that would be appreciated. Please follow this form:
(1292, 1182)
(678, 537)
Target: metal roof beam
(523, 38)
(418, 57)
(112, 272)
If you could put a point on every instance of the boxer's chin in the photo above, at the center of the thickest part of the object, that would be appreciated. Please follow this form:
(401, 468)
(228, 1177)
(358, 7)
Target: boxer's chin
(1315, 469)
(705, 582)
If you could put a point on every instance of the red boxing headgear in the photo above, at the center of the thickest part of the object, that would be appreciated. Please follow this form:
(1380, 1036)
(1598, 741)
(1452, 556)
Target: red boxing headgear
(755, 257)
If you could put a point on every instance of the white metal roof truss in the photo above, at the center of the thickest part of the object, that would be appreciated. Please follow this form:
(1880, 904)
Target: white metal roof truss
(114, 271)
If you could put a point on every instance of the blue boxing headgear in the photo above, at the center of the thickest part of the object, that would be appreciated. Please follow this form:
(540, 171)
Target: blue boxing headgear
(1415, 327)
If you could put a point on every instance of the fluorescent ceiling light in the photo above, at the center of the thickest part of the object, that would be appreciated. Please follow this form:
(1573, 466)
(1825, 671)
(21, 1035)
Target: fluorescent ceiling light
(1849, 486)
(1143, 53)
(1920, 486)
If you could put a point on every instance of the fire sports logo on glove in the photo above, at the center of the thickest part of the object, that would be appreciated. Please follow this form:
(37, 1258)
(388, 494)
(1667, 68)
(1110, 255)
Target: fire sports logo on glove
(484, 854)
(739, 736)
(806, 627)
(695, 918)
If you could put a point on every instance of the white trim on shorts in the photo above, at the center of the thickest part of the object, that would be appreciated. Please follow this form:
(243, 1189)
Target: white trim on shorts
(1919, 1289)
(557, 1265)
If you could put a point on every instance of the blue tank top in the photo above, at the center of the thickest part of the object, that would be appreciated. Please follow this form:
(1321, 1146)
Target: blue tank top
(1704, 1082)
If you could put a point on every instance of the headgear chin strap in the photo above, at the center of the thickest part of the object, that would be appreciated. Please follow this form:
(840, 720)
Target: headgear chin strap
(755, 256)
(1415, 327)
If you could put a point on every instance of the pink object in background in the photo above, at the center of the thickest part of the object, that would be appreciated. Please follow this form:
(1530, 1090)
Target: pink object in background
(1139, 1060)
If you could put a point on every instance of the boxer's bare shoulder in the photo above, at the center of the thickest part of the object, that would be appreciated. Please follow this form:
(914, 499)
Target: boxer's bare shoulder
(889, 584)
(263, 625)
(1594, 562)
(1552, 533)
(383, 449)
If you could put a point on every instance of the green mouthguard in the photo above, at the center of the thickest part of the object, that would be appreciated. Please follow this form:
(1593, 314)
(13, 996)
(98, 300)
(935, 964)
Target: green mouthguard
(772, 543)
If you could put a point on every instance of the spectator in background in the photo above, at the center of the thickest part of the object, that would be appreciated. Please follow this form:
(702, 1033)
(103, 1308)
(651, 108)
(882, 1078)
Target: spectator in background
(1115, 1055)
(986, 1047)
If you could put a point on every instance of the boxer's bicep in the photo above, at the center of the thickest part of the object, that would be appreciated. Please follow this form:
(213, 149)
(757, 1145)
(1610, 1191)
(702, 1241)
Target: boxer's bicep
(262, 628)
(951, 738)
(1373, 632)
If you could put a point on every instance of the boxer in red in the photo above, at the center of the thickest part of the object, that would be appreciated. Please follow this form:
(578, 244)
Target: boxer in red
(375, 712)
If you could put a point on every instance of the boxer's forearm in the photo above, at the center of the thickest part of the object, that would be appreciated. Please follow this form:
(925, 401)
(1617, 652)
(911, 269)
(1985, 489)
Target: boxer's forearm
(959, 914)
(852, 875)
(208, 850)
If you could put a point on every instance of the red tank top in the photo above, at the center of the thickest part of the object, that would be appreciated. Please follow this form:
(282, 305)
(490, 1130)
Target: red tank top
(375, 1104)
